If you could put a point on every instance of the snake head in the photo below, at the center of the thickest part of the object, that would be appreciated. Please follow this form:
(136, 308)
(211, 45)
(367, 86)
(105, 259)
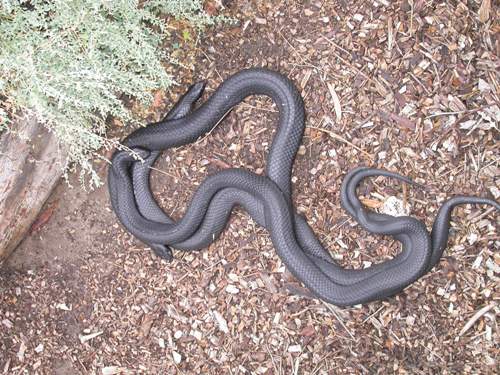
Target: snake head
(187, 101)
(196, 91)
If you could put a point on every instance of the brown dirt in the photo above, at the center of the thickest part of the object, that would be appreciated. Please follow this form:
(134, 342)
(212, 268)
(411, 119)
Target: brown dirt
(413, 82)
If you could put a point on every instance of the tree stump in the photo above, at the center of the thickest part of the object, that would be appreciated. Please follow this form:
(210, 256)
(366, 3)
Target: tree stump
(30, 167)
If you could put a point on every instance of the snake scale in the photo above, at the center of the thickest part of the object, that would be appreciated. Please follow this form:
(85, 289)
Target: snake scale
(267, 198)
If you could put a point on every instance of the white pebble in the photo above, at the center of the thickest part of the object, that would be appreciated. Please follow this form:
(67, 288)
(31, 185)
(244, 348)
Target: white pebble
(177, 357)
(358, 17)
(196, 334)
(472, 238)
(395, 207)
(63, 306)
(232, 289)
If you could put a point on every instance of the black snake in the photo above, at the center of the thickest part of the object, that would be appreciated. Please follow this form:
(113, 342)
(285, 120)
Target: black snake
(268, 198)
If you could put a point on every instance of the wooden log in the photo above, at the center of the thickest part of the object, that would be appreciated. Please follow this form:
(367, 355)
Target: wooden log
(30, 167)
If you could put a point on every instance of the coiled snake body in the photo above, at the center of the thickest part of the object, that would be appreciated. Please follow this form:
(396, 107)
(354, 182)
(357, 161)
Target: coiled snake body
(268, 198)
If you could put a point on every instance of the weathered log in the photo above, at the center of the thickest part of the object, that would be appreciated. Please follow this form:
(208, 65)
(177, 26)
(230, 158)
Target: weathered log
(30, 167)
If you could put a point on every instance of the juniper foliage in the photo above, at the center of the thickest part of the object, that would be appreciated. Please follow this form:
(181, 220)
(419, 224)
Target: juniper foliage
(69, 61)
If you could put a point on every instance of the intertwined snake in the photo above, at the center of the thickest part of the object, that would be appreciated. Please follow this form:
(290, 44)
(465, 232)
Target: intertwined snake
(267, 198)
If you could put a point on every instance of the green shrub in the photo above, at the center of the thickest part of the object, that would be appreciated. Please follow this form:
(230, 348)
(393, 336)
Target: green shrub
(69, 61)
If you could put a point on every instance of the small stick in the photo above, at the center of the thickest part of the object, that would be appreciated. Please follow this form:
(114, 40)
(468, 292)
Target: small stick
(475, 318)
(461, 112)
(332, 309)
(341, 139)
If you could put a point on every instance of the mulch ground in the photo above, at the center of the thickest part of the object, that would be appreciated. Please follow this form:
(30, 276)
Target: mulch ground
(411, 87)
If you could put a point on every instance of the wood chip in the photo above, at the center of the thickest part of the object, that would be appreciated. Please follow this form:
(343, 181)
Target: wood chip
(85, 338)
(336, 102)
(221, 322)
(484, 11)
(21, 351)
(232, 289)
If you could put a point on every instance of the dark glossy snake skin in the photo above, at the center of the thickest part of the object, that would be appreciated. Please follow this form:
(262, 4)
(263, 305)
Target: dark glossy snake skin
(267, 198)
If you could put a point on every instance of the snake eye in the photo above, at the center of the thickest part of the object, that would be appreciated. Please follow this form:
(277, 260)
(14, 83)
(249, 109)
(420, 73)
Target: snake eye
(196, 90)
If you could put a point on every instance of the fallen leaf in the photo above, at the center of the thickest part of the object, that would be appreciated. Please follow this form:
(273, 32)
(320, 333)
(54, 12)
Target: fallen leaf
(44, 217)
(308, 331)
(146, 325)
(259, 356)
(399, 120)
(157, 100)
(484, 11)
(336, 102)
(389, 344)
(220, 163)
(371, 203)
